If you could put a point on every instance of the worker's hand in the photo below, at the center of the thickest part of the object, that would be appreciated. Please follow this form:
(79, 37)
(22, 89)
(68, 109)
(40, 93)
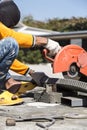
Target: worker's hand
(29, 71)
(41, 79)
(53, 47)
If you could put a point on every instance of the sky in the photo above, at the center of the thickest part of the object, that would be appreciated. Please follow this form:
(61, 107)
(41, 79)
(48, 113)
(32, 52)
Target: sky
(48, 9)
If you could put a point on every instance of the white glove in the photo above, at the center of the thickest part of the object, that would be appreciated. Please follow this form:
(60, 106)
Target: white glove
(53, 47)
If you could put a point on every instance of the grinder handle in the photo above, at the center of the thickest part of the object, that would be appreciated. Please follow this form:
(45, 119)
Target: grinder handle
(45, 53)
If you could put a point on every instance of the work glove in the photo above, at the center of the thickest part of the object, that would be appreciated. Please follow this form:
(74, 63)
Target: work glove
(53, 47)
(41, 79)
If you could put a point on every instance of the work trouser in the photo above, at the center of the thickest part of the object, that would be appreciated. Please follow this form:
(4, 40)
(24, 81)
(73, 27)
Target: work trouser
(8, 51)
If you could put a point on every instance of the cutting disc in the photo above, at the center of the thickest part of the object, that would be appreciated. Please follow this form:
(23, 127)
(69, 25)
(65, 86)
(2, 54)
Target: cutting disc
(72, 73)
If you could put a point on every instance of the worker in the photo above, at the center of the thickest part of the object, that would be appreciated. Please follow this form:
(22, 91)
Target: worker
(10, 41)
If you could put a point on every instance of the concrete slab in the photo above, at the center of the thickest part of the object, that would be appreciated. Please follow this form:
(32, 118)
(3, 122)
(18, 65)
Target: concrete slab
(74, 118)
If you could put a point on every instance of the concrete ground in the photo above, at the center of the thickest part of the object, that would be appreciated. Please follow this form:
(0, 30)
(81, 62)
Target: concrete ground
(71, 118)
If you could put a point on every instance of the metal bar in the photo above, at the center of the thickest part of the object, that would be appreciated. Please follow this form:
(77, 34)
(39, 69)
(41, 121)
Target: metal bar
(68, 35)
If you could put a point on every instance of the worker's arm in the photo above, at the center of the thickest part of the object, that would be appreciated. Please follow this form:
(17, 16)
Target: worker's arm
(24, 40)
(28, 40)
(19, 67)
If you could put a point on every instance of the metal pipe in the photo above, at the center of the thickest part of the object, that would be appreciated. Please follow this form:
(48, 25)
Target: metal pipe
(67, 35)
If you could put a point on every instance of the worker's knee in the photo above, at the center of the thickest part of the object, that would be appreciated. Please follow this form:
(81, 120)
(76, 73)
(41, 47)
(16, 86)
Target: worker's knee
(8, 46)
(12, 45)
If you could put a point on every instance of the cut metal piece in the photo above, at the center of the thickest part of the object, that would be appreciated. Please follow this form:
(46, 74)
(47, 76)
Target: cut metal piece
(79, 101)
